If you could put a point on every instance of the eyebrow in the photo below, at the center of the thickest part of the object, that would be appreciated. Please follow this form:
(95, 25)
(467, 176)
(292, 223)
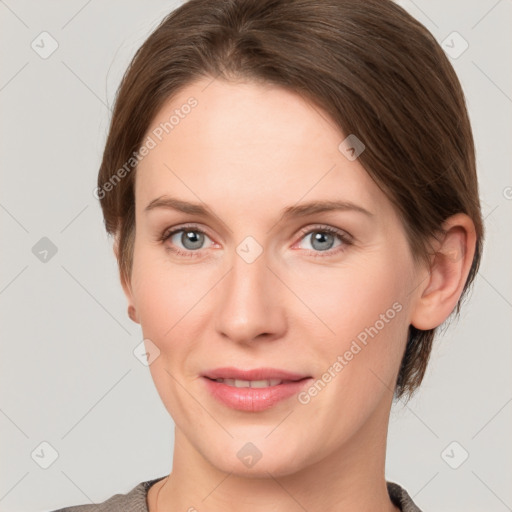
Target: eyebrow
(298, 210)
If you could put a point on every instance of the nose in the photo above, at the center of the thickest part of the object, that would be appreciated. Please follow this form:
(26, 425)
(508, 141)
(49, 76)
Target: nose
(251, 304)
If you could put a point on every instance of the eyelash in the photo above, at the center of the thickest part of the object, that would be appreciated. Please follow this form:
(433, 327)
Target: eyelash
(343, 237)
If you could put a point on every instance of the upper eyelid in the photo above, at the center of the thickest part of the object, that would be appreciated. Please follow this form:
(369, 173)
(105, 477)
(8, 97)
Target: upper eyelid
(191, 227)
(324, 227)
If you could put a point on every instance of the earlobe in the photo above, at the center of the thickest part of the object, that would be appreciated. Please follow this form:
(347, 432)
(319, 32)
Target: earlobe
(450, 266)
(132, 313)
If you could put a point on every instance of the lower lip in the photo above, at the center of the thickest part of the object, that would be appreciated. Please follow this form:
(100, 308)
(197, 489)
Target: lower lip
(253, 399)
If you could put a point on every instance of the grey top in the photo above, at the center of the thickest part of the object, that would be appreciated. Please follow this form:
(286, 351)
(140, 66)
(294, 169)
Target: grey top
(135, 500)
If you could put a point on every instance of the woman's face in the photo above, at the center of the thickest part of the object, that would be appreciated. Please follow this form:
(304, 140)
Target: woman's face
(254, 278)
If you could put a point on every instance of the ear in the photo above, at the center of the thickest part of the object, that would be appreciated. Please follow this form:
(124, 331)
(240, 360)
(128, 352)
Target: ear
(132, 312)
(449, 269)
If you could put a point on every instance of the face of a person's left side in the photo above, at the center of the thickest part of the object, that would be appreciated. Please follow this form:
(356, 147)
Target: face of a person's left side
(247, 152)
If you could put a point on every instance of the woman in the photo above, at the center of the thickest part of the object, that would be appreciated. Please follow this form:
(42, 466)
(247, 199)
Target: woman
(292, 192)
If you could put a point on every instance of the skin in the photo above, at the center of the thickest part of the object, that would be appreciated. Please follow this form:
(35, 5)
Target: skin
(247, 151)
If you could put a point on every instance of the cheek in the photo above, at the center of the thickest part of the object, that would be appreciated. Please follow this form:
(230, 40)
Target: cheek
(172, 302)
(357, 363)
(164, 292)
(348, 299)
(363, 317)
(169, 300)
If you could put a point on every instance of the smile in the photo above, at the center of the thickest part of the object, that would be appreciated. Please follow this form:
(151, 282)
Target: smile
(237, 383)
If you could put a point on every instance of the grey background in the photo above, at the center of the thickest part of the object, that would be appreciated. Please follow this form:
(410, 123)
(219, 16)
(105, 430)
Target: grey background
(68, 373)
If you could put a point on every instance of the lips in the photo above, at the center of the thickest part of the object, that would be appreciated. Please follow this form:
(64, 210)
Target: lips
(253, 390)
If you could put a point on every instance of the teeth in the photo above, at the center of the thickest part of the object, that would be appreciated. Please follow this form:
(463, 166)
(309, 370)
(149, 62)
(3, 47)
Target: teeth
(250, 383)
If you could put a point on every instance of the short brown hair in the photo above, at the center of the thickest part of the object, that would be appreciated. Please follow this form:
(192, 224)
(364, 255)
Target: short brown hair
(378, 73)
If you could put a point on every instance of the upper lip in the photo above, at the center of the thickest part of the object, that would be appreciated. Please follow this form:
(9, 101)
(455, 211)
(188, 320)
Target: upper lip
(254, 374)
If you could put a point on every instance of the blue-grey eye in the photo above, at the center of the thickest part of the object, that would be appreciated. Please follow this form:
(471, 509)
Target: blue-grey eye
(190, 239)
(321, 240)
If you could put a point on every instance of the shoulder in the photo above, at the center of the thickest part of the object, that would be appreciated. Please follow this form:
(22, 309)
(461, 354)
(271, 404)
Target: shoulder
(132, 501)
(400, 497)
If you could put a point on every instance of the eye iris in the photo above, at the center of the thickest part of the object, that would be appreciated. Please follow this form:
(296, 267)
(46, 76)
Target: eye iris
(320, 236)
(192, 239)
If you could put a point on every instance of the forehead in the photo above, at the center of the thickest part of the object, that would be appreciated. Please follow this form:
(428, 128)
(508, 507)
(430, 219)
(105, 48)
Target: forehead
(248, 142)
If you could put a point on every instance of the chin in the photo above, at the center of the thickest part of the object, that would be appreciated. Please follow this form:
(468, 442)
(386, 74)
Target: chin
(256, 459)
